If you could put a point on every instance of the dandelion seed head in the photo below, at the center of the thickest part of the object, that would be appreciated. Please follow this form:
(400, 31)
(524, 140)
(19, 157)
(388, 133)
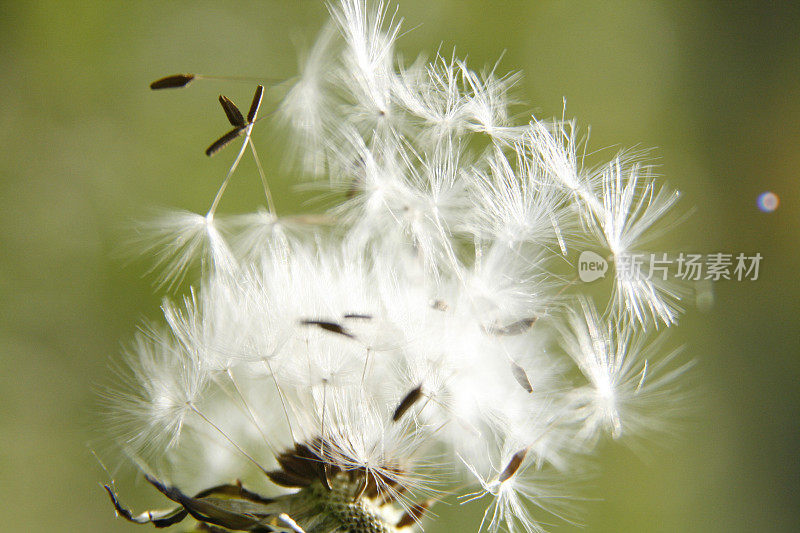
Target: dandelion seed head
(423, 332)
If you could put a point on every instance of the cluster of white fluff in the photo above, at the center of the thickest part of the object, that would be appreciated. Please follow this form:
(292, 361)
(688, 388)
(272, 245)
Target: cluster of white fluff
(443, 280)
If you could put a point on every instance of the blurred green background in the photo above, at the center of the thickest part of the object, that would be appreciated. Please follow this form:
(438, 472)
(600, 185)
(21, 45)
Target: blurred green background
(87, 148)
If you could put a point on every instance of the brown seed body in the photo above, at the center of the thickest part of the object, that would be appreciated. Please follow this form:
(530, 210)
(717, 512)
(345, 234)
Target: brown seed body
(513, 465)
(175, 81)
(407, 402)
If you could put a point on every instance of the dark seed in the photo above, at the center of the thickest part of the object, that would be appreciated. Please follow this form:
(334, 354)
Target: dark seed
(405, 404)
(172, 82)
(223, 141)
(232, 112)
(513, 465)
(333, 327)
(251, 115)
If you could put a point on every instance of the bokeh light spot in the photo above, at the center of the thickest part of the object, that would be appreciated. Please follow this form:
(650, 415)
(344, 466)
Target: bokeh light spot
(768, 201)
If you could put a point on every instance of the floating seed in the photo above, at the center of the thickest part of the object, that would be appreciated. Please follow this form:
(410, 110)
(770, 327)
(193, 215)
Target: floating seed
(232, 112)
(251, 115)
(223, 141)
(172, 82)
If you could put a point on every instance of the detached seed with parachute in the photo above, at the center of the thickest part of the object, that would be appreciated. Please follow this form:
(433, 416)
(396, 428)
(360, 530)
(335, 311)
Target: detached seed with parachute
(175, 81)
(236, 119)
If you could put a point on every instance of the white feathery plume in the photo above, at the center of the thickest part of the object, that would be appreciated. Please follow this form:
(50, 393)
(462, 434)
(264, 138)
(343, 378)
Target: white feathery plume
(517, 205)
(179, 240)
(555, 153)
(631, 204)
(304, 109)
(625, 383)
(368, 73)
(161, 382)
(487, 104)
(432, 93)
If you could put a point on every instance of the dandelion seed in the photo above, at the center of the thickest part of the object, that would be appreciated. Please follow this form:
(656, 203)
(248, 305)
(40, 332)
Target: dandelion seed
(232, 112)
(255, 105)
(333, 327)
(413, 396)
(172, 82)
(513, 466)
(224, 141)
(521, 376)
